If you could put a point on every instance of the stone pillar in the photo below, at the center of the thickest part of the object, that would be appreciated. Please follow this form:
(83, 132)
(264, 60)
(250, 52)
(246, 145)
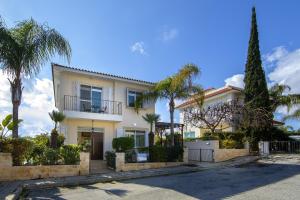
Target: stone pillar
(84, 163)
(185, 155)
(263, 148)
(5, 160)
(120, 161)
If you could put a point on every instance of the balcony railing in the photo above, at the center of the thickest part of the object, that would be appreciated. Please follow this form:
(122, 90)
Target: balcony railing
(73, 103)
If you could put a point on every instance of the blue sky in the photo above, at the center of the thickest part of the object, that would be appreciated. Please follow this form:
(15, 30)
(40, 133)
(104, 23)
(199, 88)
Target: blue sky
(150, 40)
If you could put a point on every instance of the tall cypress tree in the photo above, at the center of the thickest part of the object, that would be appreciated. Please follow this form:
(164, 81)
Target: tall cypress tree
(256, 90)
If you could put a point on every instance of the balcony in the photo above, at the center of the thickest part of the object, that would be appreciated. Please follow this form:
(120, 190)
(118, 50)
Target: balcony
(103, 110)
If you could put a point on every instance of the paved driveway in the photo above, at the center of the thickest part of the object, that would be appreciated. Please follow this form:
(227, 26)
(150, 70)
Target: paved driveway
(276, 178)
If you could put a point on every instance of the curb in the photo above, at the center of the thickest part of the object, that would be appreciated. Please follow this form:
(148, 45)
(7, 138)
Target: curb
(87, 180)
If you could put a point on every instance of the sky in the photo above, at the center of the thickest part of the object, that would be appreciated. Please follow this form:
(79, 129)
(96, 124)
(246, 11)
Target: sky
(151, 40)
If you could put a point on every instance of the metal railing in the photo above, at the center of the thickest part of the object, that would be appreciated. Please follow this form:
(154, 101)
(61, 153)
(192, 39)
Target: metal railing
(201, 155)
(137, 155)
(285, 147)
(73, 103)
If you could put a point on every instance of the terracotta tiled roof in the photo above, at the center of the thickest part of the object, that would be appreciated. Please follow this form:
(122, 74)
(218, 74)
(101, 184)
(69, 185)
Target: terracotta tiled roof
(103, 74)
(210, 93)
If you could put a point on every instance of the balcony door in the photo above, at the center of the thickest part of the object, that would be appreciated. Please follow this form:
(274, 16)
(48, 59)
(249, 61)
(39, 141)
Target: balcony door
(90, 99)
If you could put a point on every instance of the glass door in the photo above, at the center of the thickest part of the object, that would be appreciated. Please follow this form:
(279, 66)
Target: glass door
(85, 98)
(96, 100)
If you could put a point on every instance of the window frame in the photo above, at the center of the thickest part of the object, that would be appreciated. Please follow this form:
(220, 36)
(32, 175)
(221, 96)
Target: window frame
(91, 89)
(134, 132)
(133, 93)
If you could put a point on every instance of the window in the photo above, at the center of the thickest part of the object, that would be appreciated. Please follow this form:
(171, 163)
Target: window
(190, 134)
(131, 97)
(90, 99)
(139, 137)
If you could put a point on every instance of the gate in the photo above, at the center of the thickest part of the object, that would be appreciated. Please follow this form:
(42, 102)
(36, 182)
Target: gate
(201, 155)
(285, 147)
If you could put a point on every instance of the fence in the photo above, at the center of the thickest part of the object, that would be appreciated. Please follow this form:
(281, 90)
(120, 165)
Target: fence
(201, 155)
(284, 147)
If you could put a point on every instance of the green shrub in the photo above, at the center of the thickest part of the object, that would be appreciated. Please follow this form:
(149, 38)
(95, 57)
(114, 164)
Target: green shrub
(60, 140)
(158, 153)
(231, 144)
(21, 150)
(70, 154)
(51, 156)
(209, 138)
(6, 146)
(110, 159)
(177, 139)
(42, 140)
(37, 154)
(123, 144)
(278, 134)
(174, 153)
(165, 154)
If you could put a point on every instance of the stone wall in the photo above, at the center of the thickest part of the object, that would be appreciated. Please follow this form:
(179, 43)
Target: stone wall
(5, 160)
(227, 154)
(122, 166)
(9, 172)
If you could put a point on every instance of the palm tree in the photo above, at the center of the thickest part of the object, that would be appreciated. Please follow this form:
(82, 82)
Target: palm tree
(180, 86)
(56, 117)
(23, 51)
(279, 98)
(151, 118)
(294, 115)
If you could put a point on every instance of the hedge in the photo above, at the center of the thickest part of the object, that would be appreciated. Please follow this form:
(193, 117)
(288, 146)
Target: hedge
(123, 144)
(110, 159)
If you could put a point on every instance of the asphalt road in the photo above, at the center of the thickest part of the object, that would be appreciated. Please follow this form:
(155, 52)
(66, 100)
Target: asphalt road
(263, 180)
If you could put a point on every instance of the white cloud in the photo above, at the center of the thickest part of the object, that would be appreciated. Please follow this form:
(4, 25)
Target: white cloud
(37, 101)
(276, 54)
(138, 47)
(169, 34)
(236, 80)
(287, 70)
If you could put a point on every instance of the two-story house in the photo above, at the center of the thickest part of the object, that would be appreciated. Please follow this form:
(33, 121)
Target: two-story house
(99, 107)
(211, 96)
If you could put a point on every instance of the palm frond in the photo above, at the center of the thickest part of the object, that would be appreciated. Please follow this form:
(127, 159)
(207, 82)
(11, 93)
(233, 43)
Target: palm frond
(9, 51)
(294, 115)
(57, 116)
(38, 43)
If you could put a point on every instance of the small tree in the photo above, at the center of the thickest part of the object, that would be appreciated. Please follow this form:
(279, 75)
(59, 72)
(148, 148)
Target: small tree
(7, 125)
(179, 86)
(56, 117)
(231, 113)
(151, 119)
(211, 117)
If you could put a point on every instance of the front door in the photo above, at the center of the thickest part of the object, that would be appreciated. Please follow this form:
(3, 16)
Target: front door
(97, 146)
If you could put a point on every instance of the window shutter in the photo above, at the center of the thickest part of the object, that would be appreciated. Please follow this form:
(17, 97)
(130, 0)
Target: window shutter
(76, 93)
(146, 139)
(127, 103)
(105, 95)
(120, 132)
